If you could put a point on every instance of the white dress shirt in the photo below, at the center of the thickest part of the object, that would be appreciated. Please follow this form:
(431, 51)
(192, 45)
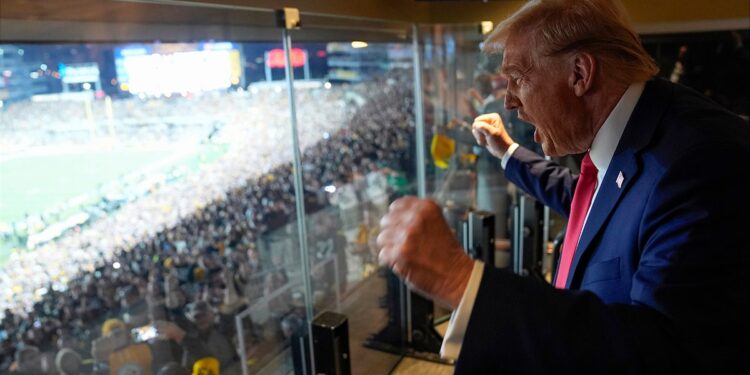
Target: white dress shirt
(601, 152)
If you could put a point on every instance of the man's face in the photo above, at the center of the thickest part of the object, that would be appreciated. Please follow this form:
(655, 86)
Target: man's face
(540, 88)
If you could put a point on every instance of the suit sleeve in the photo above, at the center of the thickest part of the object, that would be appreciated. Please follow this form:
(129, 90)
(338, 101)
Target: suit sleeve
(549, 182)
(689, 306)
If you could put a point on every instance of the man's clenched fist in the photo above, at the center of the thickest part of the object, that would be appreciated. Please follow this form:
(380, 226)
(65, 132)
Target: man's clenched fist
(417, 244)
(490, 132)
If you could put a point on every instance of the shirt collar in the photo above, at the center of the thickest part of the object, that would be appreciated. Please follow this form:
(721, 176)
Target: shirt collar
(608, 136)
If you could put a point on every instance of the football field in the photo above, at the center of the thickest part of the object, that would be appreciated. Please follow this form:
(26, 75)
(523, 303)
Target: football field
(35, 184)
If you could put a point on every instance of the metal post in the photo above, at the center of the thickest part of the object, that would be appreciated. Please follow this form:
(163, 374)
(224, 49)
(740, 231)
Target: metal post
(243, 80)
(306, 67)
(521, 226)
(299, 193)
(516, 239)
(419, 125)
(267, 68)
(241, 343)
(404, 296)
(337, 280)
(419, 115)
(302, 351)
(545, 230)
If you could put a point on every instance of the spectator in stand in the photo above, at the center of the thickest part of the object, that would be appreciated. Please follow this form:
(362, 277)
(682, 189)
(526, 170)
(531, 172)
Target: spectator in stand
(144, 262)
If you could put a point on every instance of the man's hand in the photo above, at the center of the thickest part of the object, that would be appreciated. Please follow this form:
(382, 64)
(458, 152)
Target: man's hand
(417, 244)
(489, 131)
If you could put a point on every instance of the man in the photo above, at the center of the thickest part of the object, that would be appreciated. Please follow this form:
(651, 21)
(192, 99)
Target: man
(653, 275)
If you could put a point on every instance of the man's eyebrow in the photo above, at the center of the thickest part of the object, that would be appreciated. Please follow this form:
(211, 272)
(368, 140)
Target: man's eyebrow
(509, 69)
(514, 68)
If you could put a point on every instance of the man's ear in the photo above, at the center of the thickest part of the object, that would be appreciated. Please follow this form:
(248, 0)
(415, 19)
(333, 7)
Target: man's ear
(584, 69)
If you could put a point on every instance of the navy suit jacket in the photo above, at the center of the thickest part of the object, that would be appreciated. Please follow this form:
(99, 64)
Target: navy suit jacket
(659, 281)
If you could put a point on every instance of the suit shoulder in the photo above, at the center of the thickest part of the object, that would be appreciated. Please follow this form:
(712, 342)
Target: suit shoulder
(691, 121)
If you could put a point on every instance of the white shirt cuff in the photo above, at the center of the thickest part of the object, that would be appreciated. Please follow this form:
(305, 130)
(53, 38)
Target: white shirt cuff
(454, 335)
(508, 154)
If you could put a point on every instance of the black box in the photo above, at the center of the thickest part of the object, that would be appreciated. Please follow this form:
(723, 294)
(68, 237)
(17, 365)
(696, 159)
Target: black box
(477, 236)
(331, 344)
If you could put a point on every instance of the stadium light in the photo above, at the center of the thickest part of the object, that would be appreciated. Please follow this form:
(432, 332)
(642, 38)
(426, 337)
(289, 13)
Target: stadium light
(359, 44)
(485, 27)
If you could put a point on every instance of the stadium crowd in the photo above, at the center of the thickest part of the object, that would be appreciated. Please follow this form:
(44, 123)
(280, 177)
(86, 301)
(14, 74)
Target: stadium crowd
(156, 284)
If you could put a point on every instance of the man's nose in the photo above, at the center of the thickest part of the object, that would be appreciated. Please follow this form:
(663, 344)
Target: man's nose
(511, 101)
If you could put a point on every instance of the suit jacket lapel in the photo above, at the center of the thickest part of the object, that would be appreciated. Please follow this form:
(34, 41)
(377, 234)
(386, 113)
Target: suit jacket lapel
(638, 133)
(604, 204)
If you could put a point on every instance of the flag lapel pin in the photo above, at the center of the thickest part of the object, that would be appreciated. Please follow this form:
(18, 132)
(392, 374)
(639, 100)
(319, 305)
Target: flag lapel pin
(620, 179)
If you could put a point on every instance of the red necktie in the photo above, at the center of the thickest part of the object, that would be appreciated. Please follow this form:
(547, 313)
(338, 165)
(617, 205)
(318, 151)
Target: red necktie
(578, 209)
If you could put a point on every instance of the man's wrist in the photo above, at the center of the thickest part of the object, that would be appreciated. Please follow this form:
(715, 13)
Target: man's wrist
(454, 335)
(508, 153)
(507, 141)
(463, 272)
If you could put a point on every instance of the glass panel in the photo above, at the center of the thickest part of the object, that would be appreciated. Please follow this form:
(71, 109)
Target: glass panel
(146, 193)
(356, 122)
(462, 83)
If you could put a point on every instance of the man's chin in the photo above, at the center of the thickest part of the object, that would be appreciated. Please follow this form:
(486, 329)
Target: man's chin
(548, 151)
(546, 146)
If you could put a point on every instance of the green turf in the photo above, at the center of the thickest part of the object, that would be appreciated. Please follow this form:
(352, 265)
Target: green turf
(38, 183)
(35, 184)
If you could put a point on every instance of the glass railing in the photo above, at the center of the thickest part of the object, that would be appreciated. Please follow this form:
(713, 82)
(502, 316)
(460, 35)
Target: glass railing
(358, 159)
(461, 83)
(191, 186)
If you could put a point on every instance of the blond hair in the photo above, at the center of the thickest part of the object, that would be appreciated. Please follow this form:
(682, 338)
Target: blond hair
(599, 27)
